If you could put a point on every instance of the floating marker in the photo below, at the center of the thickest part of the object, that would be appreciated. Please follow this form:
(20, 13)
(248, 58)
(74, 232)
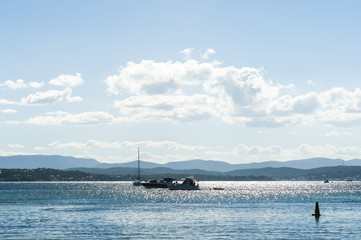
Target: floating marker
(317, 211)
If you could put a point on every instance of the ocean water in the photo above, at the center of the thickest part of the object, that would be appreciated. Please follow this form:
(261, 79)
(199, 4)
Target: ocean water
(117, 210)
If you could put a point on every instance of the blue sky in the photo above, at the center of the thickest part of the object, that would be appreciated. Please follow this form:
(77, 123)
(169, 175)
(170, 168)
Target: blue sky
(237, 81)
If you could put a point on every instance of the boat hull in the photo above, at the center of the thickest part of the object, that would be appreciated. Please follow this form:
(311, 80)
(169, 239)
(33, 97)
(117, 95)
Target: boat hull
(137, 183)
(183, 187)
(155, 185)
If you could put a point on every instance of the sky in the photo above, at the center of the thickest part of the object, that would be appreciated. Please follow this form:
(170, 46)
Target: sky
(235, 81)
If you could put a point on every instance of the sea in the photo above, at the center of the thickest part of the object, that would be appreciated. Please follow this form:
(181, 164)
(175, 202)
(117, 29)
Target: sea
(119, 210)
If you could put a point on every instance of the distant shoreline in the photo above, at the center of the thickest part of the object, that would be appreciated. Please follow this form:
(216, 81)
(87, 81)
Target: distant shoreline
(52, 175)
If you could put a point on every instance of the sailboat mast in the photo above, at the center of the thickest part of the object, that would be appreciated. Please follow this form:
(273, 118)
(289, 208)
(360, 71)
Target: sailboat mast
(138, 165)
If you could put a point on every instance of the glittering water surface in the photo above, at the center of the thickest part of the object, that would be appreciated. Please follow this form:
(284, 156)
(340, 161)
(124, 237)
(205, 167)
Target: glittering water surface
(117, 210)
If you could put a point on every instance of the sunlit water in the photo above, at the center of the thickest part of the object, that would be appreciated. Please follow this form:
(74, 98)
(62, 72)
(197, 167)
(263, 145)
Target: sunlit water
(117, 210)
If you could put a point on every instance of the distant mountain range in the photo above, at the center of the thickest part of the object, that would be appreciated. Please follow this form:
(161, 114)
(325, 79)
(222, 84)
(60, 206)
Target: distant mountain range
(307, 169)
(63, 162)
(45, 161)
(219, 166)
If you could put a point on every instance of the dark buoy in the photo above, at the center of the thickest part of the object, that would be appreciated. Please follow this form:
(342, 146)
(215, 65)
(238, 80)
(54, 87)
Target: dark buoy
(317, 211)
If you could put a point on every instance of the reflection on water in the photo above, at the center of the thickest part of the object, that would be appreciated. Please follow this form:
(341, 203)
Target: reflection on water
(233, 192)
(118, 210)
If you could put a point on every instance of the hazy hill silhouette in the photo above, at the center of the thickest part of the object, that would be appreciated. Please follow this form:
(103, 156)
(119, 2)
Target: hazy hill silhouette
(63, 162)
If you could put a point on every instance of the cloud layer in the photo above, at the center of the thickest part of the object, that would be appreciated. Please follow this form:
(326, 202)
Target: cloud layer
(65, 118)
(21, 84)
(48, 97)
(174, 151)
(45, 97)
(66, 80)
(193, 90)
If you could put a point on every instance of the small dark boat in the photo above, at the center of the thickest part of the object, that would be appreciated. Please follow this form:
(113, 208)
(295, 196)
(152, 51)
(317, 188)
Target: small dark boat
(163, 183)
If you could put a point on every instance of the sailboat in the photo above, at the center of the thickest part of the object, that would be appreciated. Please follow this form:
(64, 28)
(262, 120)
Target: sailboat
(137, 182)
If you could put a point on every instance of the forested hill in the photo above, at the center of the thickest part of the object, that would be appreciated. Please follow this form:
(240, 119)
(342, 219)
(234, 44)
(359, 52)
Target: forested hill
(48, 174)
(283, 173)
(339, 173)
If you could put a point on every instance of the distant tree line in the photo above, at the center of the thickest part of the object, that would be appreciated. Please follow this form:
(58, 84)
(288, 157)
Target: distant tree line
(266, 174)
(48, 174)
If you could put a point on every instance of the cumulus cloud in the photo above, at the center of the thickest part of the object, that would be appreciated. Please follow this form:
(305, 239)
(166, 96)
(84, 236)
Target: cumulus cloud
(154, 78)
(15, 146)
(336, 133)
(36, 84)
(65, 118)
(8, 102)
(66, 80)
(174, 151)
(51, 96)
(166, 108)
(306, 103)
(14, 84)
(176, 91)
(207, 53)
(40, 148)
(170, 150)
(45, 97)
(186, 52)
(21, 84)
(12, 153)
(311, 83)
(303, 151)
(193, 90)
(9, 111)
(92, 144)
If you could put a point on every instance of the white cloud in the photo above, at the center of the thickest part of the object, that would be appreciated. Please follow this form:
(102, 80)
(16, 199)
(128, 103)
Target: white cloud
(43, 98)
(6, 153)
(75, 145)
(8, 102)
(15, 146)
(175, 91)
(64, 118)
(209, 51)
(190, 90)
(51, 96)
(166, 108)
(93, 144)
(305, 104)
(40, 148)
(311, 83)
(14, 84)
(65, 80)
(155, 78)
(21, 84)
(168, 151)
(186, 52)
(336, 106)
(36, 84)
(303, 151)
(336, 133)
(332, 133)
(9, 111)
